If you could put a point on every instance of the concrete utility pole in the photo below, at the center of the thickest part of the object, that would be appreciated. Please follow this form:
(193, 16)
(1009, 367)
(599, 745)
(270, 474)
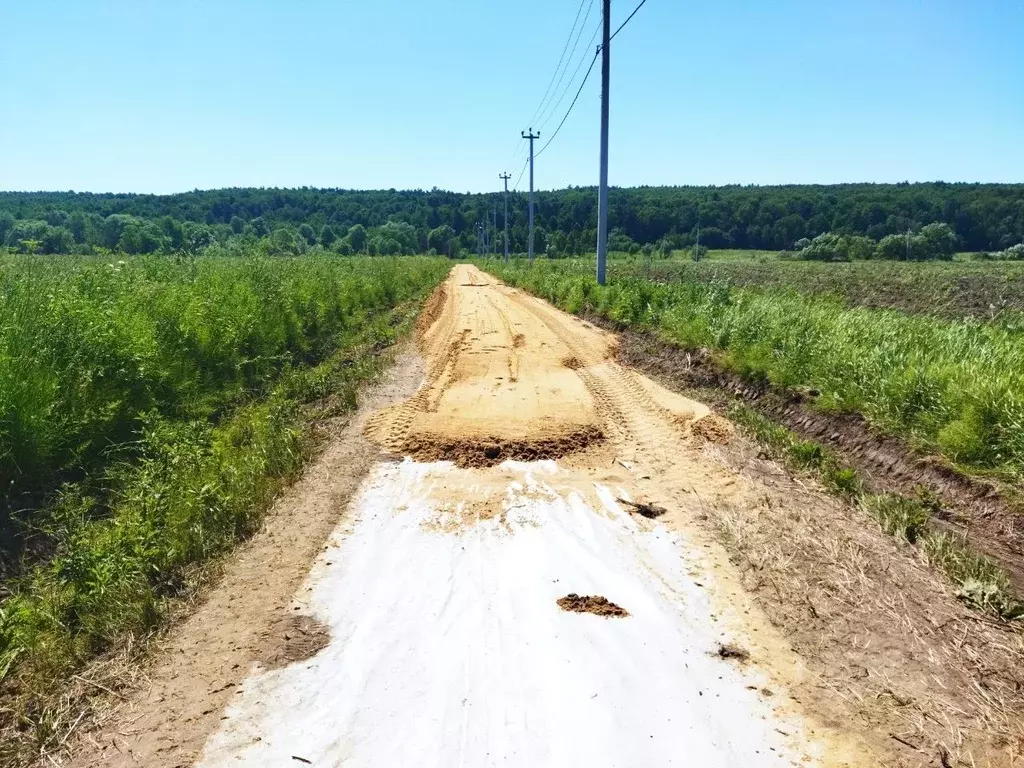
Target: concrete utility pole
(505, 177)
(533, 136)
(602, 194)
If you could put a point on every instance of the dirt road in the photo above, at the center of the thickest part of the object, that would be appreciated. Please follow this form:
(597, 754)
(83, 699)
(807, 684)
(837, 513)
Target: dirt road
(437, 595)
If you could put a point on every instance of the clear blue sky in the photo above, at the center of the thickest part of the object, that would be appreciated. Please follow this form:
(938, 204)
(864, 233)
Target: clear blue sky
(148, 96)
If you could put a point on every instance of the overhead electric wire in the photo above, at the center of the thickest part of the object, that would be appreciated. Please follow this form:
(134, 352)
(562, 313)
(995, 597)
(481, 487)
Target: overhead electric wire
(569, 85)
(521, 172)
(561, 58)
(586, 77)
(629, 19)
(555, 75)
(569, 111)
(543, 115)
(583, 83)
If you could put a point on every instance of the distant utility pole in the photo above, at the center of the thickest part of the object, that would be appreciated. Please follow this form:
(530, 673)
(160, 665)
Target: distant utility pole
(532, 137)
(602, 194)
(505, 177)
(494, 232)
(909, 225)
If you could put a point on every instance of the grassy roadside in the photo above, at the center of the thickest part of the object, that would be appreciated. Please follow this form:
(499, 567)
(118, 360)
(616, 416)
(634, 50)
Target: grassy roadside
(978, 581)
(951, 388)
(136, 534)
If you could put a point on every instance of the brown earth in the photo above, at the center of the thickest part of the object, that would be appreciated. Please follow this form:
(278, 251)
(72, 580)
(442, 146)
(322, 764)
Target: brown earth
(596, 604)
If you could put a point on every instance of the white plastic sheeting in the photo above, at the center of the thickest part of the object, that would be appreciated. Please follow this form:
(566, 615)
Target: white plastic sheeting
(448, 649)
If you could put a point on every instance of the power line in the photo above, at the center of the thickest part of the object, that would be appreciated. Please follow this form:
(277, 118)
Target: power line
(542, 106)
(561, 58)
(586, 77)
(544, 116)
(568, 86)
(627, 20)
(569, 111)
(515, 187)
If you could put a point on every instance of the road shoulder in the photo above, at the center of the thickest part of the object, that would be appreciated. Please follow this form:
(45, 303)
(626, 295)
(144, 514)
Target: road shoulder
(243, 619)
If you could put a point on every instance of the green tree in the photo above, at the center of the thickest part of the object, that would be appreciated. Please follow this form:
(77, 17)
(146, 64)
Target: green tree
(6, 225)
(259, 227)
(441, 239)
(57, 240)
(79, 226)
(892, 247)
(173, 232)
(306, 233)
(357, 238)
(400, 233)
(237, 225)
(939, 241)
(196, 237)
(327, 236)
(619, 241)
(140, 236)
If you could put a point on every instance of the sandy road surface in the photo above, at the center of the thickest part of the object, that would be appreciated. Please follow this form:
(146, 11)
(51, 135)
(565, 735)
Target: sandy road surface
(438, 590)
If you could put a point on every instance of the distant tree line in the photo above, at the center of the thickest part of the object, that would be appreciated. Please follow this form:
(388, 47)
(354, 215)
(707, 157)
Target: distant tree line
(932, 242)
(982, 217)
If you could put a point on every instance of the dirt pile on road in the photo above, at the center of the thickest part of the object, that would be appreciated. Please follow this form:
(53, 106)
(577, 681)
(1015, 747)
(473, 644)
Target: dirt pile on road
(596, 604)
(509, 378)
(497, 385)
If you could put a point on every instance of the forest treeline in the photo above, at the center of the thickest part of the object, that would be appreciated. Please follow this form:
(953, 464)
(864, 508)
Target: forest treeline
(984, 217)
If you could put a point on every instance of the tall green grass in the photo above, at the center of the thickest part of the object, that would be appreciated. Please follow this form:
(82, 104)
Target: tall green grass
(89, 348)
(953, 387)
(149, 411)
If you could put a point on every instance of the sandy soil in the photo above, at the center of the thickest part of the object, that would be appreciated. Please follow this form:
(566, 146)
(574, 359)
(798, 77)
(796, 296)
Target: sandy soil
(516, 470)
(441, 589)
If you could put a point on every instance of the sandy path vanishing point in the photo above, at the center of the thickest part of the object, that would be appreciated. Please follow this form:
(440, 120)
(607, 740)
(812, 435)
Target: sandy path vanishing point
(438, 589)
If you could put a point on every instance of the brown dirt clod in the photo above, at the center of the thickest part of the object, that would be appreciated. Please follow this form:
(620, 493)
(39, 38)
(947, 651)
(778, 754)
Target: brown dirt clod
(297, 638)
(732, 651)
(596, 604)
(469, 452)
(713, 429)
(650, 511)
